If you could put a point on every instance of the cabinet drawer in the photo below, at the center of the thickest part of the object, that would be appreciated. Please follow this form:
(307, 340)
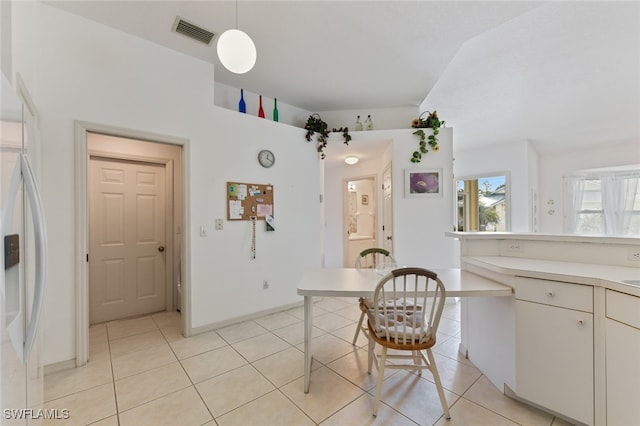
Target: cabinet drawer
(555, 293)
(624, 308)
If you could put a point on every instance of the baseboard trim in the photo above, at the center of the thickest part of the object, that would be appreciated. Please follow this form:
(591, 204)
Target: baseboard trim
(216, 325)
(59, 366)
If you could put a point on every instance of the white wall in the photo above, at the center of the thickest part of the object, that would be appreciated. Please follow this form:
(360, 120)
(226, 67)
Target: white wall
(517, 159)
(554, 167)
(225, 282)
(90, 72)
(419, 224)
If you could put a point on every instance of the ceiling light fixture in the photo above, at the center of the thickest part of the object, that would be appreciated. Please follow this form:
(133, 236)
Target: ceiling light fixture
(236, 50)
(351, 160)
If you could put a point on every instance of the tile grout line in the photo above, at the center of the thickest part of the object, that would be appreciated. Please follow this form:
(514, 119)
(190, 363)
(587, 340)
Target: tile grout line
(113, 378)
(195, 388)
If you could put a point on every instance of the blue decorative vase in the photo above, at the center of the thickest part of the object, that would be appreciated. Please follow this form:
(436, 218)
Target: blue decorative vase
(242, 106)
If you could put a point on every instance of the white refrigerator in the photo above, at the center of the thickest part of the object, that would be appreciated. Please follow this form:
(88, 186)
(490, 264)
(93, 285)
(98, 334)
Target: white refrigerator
(23, 263)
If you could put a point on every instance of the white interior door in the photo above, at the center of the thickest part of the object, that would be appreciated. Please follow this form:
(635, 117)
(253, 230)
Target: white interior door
(127, 202)
(387, 211)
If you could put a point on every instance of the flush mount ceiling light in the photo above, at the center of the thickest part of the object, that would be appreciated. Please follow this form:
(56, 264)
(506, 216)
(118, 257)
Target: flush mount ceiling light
(236, 50)
(351, 160)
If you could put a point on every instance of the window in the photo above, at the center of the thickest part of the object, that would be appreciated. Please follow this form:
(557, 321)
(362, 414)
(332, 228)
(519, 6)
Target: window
(603, 203)
(482, 204)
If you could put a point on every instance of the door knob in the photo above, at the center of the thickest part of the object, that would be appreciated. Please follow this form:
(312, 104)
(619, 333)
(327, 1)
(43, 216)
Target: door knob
(161, 249)
(389, 238)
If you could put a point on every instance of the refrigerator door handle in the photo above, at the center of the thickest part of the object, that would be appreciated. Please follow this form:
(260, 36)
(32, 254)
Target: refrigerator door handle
(40, 236)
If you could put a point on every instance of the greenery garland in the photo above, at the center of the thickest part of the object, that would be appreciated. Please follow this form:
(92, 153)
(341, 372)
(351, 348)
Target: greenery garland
(433, 122)
(316, 125)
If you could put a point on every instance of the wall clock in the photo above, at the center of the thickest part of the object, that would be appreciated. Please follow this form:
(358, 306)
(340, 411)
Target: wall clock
(266, 158)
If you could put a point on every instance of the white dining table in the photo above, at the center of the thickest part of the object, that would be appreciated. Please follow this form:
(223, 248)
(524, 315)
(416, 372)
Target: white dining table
(351, 282)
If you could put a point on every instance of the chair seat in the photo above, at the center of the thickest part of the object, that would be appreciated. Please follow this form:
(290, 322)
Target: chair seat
(400, 316)
(366, 304)
(405, 323)
(391, 343)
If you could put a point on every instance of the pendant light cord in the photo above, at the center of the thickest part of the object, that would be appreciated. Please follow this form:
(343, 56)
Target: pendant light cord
(237, 15)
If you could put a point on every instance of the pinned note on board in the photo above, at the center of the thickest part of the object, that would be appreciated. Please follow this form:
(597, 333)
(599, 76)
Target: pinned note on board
(270, 223)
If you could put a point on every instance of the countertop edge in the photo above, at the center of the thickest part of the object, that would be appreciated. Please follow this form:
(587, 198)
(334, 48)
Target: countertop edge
(551, 270)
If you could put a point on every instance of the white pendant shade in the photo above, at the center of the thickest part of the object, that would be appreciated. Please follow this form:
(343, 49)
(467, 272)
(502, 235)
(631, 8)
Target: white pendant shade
(236, 51)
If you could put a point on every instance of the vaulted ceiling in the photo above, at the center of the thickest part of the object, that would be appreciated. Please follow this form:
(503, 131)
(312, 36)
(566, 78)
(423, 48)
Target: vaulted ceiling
(560, 74)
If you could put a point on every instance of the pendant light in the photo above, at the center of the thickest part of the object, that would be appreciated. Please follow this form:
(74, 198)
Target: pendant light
(236, 50)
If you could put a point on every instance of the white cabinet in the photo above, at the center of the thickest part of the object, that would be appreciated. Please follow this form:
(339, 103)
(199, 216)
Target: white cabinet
(554, 346)
(623, 359)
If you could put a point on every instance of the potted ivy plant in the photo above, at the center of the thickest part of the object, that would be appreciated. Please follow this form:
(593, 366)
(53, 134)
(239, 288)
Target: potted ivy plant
(316, 125)
(430, 122)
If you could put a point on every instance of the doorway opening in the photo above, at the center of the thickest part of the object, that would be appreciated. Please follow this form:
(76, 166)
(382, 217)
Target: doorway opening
(360, 206)
(130, 244)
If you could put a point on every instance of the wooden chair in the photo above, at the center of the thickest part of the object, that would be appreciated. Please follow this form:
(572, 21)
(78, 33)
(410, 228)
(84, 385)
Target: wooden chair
(372, 258)
(404, 315)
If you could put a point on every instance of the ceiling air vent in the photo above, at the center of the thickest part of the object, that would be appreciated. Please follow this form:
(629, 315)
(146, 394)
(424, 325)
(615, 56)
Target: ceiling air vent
(192, 31)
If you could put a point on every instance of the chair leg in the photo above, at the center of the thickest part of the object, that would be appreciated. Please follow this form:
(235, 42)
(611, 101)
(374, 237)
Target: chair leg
(436, 379)
(383, 361)
(355, 336)
(370, 353)
(417, 360)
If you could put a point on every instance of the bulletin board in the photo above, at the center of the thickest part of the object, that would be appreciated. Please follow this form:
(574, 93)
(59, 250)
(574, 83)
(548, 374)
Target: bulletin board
(245, 200)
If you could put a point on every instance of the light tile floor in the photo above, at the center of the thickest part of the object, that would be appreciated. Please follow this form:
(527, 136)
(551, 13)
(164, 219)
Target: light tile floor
(143, 372)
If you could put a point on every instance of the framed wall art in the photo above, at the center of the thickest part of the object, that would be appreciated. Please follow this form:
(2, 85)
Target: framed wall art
(422, 183)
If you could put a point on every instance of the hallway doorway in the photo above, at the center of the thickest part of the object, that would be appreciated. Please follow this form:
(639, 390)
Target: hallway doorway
(130, 221)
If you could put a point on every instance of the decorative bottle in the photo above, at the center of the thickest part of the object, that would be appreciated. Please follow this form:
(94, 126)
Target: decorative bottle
(275, 109)
(368, 124)
(358, 123)
(242, 106)
(260, 109)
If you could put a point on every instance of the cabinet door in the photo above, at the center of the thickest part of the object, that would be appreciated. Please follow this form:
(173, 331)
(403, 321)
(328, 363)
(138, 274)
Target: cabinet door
(554, 359)
(623, 374)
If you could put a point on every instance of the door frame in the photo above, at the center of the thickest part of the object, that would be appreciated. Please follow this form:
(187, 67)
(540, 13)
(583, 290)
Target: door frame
(385, 233)
(81, 128)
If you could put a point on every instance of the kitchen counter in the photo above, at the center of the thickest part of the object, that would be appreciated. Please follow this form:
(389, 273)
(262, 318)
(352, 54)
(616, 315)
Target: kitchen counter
(568, 339)
(607, 276)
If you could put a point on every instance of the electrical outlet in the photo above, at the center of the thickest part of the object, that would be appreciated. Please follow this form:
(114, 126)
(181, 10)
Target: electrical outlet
(515, 247)
(218, 224)
(634, 254)
(265, 285)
